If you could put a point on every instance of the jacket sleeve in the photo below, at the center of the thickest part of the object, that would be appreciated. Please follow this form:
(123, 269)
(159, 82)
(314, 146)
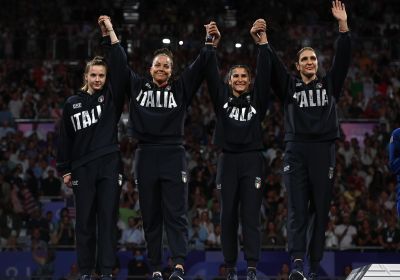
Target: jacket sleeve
(213, 79)
(394, 152)
(194, 74)
(262, 79)
(65, 143)
(118, 70)
(280, 76)
(341, 63)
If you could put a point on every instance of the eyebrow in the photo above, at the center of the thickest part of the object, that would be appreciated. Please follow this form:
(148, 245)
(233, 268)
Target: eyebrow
(311, 56)
(158, 63)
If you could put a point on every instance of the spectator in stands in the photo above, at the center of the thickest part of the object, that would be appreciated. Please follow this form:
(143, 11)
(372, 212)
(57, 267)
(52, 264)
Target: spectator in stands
(346, 232)
(197, 235)
(169, 269)
(221, 272)
(6, 128)
(65, 234)
(284, 273)
(10, 223)
(137, 267)
(331, 240)
(214, 237)
(42, 255)
(51, 186)
(133, 235)
(366, 235)
(37, 221)
(390, 236)
(73, 273)
(347, 270)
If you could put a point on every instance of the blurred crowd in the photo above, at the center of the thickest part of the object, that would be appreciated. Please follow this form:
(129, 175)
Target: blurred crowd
(42, 53)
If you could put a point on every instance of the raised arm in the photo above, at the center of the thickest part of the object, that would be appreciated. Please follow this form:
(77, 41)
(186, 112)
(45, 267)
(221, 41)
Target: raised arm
(262, 79)
(280, 76)
(117, 62)
(194, 74)
(341, 61)
(212, 71)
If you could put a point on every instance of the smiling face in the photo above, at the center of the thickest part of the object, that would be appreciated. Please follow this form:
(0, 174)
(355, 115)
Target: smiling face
(307, 64)
(239, 80)
(161, 69)
(95, 78)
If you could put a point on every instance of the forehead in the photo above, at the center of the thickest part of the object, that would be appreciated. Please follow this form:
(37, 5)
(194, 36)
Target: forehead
(97, 69)
(307, 53)
(239, 71)
(162, 59)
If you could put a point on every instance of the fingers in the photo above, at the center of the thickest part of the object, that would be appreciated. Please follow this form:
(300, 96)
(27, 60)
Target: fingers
(103, 18)
(338, 5)
(212, 29)
(259, 26)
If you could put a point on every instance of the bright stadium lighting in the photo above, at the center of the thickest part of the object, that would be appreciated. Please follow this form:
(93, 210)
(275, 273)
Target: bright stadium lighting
(238, 45)
(166, 41)
(180, 43)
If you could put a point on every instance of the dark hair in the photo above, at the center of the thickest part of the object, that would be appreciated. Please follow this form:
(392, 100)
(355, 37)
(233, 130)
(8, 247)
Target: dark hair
(302, 50)
(164, 51)
(247, 68)
(97, 60)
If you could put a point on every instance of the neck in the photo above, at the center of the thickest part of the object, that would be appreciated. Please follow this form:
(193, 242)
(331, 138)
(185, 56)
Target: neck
(90, 91)
(308, 79)
(237, 94)
(163, 84)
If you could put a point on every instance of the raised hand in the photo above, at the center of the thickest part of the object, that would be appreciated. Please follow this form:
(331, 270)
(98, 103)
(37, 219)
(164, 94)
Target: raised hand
(339, 10)
(105, 24)
(258, 31)
(212, 30)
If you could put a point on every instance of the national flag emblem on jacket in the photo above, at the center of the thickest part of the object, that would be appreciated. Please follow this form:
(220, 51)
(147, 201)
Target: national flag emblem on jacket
(184, 177)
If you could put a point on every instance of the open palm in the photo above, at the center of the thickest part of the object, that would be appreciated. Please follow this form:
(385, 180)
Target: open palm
(339, 10)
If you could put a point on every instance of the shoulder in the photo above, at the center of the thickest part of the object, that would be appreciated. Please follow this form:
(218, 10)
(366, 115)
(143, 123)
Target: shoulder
(396, 132)
(395, 135)
(72, 99)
